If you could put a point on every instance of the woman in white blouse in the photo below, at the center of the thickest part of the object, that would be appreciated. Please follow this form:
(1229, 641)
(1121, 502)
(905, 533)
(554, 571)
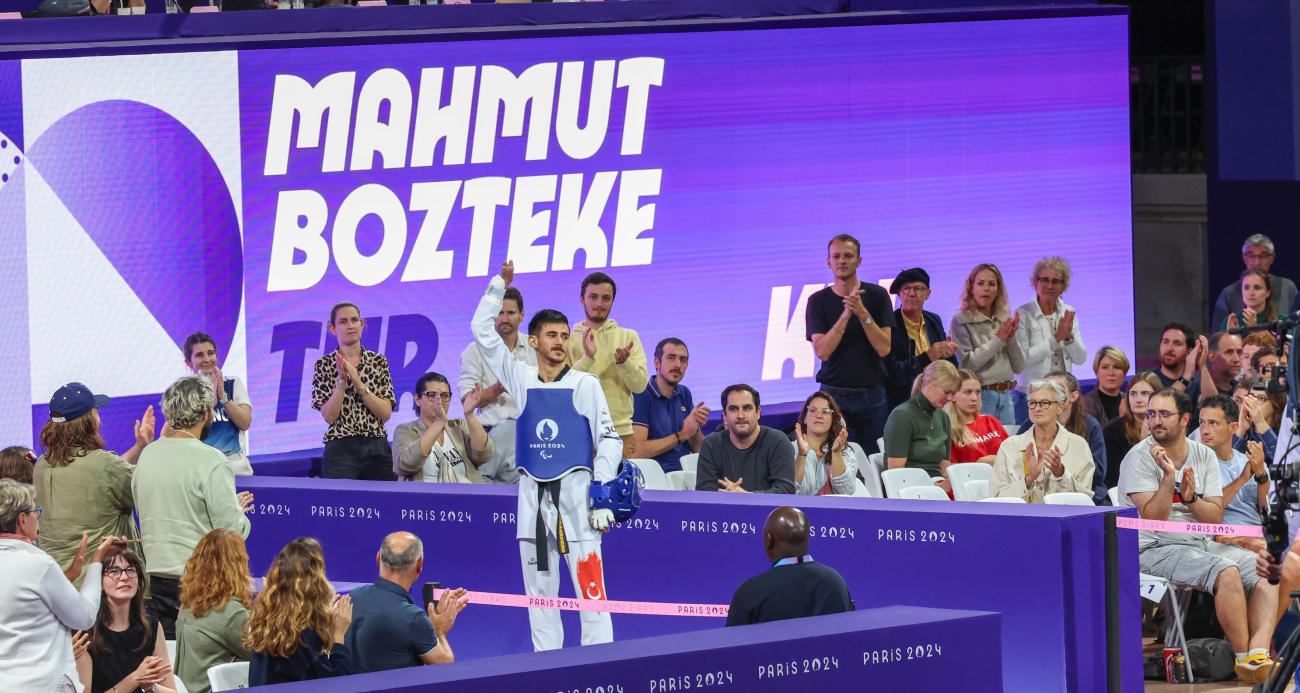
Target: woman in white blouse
(1046, 458)
(39, 607)
(824, 464)
(1049, 332)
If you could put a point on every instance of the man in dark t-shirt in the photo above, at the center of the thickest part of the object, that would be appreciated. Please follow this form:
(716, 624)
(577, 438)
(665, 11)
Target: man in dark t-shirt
(850, 324)
(796, 586)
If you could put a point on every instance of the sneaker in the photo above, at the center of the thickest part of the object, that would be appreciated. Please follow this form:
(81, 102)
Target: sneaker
(1255, 669)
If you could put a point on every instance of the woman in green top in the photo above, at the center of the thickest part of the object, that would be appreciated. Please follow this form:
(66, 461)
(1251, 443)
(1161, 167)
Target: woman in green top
(919, 433)
(80, 486)
(1256, 299)
(216, 591)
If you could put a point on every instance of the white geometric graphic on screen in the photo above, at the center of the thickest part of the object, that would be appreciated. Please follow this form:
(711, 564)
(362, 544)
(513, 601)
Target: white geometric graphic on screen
(10, 158)
(87, 325)
(201, 90)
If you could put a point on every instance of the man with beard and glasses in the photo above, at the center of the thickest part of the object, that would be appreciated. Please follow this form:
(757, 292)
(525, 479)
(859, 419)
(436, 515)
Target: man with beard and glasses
(496, 408)
(183, 489)
(742, 456)
(1170, 478)
(665, 418)
(1185, 363)
(612, 353)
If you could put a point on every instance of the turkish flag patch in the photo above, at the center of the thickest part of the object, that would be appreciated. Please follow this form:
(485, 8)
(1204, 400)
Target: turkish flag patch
(591, 577)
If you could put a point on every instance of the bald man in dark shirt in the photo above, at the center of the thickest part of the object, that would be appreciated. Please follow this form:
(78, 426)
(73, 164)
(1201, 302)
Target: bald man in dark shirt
(796, 586)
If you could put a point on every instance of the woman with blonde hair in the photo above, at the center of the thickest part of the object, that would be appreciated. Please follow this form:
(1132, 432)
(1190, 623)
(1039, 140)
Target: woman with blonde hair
(216, 591)
(985, 333)
(976, 437)
(81, 487)
(1123, 433)
(1105, 403)
(297, 627)
(918, 433)
(1047, 458)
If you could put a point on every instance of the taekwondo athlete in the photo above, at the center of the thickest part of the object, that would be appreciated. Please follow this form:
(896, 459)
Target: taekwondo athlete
(563, 420)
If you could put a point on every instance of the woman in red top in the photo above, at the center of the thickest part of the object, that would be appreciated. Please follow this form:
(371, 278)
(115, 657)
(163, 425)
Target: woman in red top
(976, 437)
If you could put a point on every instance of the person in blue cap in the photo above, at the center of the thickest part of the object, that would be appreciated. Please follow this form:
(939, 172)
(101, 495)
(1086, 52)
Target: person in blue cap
(83, 489)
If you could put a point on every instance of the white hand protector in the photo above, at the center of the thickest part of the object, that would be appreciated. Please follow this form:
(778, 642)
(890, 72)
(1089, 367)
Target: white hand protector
(601, 519)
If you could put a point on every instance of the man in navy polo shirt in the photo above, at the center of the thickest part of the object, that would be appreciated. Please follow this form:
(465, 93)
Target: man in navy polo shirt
(388, 630)
(665, 420)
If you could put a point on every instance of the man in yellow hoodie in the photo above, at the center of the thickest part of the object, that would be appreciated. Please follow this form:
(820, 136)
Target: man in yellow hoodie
(612, 353)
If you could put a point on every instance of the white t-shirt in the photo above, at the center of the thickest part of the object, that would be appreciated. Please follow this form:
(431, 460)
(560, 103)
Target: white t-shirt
(445, 450)
(1139, 473)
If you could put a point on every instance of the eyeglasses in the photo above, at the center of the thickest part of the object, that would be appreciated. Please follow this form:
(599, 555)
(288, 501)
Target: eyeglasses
(1162, 415)
(445, 396)
(820, 410)
(36, 512)
(1040, 403)
(1050, 282)
(1256, 256)
(913, 289)
(116, 573)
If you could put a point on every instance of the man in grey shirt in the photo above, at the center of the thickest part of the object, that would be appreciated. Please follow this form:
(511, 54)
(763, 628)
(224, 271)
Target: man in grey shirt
(1257, 251)
(744, 457)
(1170, 478)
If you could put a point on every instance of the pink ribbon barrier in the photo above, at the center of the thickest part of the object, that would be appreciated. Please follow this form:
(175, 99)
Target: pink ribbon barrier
(1190, 527)
(602, 605)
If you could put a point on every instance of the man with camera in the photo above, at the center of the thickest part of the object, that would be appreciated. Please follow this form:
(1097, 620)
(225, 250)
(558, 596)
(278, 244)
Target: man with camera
(1170, 478)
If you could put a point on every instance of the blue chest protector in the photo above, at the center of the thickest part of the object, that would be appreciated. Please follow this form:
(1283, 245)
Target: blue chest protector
(223, 435)
(551, 437)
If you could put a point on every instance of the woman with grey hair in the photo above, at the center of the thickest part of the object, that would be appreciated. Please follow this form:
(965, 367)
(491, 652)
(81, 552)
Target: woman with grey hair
(1045, 459)
(39, 607)
(1049, 333)
(183, 489)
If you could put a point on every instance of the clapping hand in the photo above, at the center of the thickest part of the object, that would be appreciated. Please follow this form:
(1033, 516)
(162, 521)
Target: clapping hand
(1052, 460)
(443, 612)
(697, 418)
(589, 344)
(342, 608)
(508, 272)
(1065, 328)
(1233, 323)
(218, 384)
(471, 400)
(620, 355)
(1255, 453)
(144, 428)
(853, 303)
(841, 440)
(941, 350)
(1188, 488)
(1162, 460)
(245, 500)
(1033, 464)
(801, 440)
(732, 486)
(1249, 316)
(1008, 329)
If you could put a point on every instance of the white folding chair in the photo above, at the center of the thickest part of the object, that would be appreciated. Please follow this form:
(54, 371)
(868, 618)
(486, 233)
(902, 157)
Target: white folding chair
(653, 473)
(689, 461)
(1114, 495)
(1158, 590)
(871, 482)
(898, 479)
(228, 677)
(860, 490)
(996, 499)
(923, 493)
(1070, 498)
(880, 444)
(976, 490)
(961, 474)
(681, 481)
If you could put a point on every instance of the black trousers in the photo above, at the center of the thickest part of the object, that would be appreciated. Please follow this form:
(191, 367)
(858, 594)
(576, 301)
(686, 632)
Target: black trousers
(165, 602)
(358, 457)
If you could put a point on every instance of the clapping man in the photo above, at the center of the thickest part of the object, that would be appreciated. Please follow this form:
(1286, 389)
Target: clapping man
(665, 418)
(1170, 478)
(919, 339)
(1185, 363)
(496, 408)
(612, 353)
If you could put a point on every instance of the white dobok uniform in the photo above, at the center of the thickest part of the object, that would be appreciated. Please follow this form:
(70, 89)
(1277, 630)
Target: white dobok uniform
(570, 413)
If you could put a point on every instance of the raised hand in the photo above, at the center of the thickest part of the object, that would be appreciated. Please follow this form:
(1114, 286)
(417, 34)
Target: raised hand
(589, 344)
(1033, 464)
(1193, 361)
(1233, 324)
(109, 546)
(341, 365)
(78, 562)
(1188, 487)
(941, 350)
(1065, 327)
(694, 420)
(841, 440)
(144, 428)
(353, 376)
(508, 272)
(1202, 351)
(1249, 316)
(218, 384)
(800, 439)
(342, 608)
(443, 613)
(470, 401)
(620, 355)
(853, 302)
(1008, 329)
(1162, 460)
(245, 500)
(1255, 453)
(80, 644)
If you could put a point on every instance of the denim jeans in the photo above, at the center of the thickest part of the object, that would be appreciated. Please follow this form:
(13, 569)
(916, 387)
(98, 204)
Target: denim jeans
(1022, 406)
(999, 405)
(865, 411)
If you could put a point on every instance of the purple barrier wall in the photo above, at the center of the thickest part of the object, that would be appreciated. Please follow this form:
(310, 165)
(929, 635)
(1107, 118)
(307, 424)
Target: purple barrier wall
(893, 648)
(1040, 566)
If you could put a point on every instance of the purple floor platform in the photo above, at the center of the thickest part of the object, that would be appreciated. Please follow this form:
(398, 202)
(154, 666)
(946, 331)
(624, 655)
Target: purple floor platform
(1041, 567)
(889, 649)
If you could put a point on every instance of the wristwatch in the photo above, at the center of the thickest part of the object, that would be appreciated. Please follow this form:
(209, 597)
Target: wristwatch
(1262, 478)
(1183, 380)
(1189, 501)
(868, 321)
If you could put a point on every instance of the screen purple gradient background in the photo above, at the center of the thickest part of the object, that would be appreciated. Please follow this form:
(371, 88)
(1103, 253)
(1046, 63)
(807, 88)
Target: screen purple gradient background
(938, 145)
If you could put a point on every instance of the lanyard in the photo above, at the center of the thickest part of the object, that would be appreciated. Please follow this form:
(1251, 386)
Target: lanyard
(792, 560)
